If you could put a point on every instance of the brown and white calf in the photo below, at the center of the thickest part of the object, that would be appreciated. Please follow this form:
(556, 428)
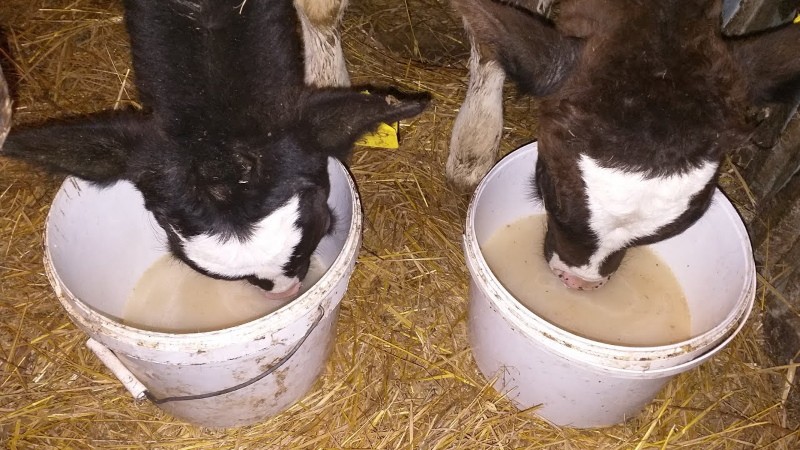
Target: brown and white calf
(231, 148)
(640, 101)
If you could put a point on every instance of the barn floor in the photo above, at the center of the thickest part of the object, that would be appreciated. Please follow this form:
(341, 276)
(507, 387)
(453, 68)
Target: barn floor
(401, 374)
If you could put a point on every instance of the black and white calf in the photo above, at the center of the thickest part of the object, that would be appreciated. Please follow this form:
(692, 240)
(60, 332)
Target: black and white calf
(230, 151)
(640, 100)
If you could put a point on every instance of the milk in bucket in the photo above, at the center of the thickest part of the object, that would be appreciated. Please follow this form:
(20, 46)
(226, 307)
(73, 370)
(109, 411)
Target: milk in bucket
(576, 381)
(98, 243)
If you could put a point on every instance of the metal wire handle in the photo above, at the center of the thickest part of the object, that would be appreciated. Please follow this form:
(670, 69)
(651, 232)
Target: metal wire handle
(274, 367)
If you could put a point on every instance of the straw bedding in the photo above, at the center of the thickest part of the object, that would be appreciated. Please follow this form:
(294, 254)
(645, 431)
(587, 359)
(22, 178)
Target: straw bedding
(401, 375)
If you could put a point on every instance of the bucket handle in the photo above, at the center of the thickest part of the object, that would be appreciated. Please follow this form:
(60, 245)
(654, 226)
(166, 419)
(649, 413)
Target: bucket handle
(139, 392)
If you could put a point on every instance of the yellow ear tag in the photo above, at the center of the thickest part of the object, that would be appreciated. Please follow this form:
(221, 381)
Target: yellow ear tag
(384, 137)
(797, 19)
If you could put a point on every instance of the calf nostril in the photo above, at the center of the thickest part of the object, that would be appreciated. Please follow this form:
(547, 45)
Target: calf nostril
(575, 282)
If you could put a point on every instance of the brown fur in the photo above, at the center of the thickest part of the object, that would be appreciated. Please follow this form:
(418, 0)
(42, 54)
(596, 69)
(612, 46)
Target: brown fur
(646, 86)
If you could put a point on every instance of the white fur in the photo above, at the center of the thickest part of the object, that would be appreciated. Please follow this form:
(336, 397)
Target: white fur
(269, 248)
(479, 124)
(324, 60)
(475, 138)
(5, 110)
(625, 206)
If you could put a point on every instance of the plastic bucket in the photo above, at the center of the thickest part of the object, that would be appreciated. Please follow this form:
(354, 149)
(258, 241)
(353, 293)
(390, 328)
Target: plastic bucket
(576, 381)
(98, 242)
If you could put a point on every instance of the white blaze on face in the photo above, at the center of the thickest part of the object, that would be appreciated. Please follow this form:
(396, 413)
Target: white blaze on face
(625, 206)
(263, 255)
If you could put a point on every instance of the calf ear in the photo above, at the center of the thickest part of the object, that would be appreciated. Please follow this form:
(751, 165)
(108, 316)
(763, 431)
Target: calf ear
(534, 54)
(95, 148)
(339, 117)
(771, 68)
(770, 62)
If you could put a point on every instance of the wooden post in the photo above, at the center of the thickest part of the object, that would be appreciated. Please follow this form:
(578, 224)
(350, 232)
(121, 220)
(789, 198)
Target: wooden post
(772, 176)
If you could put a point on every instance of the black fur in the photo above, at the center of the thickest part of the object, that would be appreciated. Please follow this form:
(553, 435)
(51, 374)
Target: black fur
(228, 133)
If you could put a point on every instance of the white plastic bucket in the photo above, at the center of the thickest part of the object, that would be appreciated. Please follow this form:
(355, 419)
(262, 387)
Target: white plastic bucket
(576, 381)
(98, 242)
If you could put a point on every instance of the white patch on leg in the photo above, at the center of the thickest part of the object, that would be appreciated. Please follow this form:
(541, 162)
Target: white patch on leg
(625, 206)
(5, 110)
(263, 255)
(324, 60)
(479, 124)
(544, 7)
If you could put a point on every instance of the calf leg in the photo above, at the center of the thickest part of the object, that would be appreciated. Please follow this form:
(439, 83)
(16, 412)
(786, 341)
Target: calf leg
(5, 109)
(479, 124)
(324, 59)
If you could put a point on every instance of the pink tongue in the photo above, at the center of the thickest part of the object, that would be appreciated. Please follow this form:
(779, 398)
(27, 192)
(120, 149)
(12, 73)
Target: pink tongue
(283, 295)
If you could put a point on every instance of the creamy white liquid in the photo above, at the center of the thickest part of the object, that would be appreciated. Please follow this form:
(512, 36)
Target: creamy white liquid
(170, 297)
(642, 304)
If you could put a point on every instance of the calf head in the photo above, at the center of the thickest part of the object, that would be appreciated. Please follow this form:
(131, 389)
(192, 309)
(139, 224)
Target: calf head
(640, 100)
(231, 149)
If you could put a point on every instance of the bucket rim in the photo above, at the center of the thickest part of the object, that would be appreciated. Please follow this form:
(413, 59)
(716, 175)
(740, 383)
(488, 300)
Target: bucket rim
(200, 342)
(630, 360)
